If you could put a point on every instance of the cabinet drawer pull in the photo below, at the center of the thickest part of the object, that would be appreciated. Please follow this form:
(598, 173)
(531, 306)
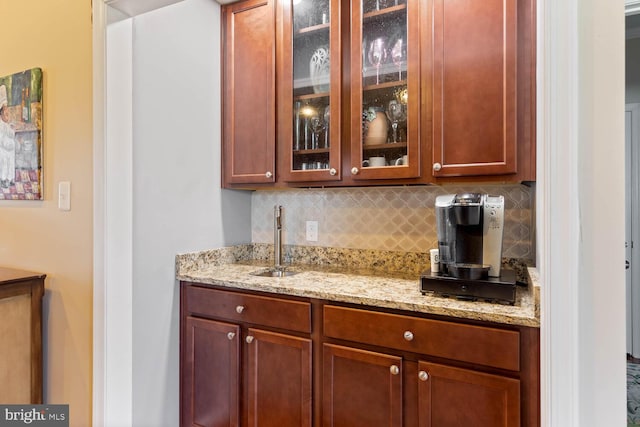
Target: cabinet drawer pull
(394, 370)
(231, 335)
(239, 309)
(249, 339)
(423, 375)
(408, 335)
(333, 172)
(268, 174)
(354, 171)
(437, 167)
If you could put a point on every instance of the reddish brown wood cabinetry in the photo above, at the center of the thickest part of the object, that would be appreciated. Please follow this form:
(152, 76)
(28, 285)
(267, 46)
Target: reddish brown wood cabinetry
(460, 73)
(337, 365)
(451, 397)
(361, 388)
(482, 67)
(210, 391)
(249, 98)
(236, 375)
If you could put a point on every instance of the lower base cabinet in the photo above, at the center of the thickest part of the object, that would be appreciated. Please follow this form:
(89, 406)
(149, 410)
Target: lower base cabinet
(210, 373)
(279, 374)
(361, 388)
(265, 361)
(451, 397)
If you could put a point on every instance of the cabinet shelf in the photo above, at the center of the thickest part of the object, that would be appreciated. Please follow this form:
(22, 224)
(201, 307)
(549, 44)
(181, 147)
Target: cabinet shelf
(314, 29)
(384, 12)
(385, 85)
(311, 96)
(307, 152)
(387, 146)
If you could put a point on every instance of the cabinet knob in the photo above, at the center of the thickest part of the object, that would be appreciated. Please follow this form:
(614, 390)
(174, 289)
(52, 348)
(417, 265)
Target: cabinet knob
(239, 309)
(423, 375)
(408, 335)
(394, 370)
(268, 174)
(354, 171)
(249, 339)
(231, 335)
(437, 167)
(333, 172)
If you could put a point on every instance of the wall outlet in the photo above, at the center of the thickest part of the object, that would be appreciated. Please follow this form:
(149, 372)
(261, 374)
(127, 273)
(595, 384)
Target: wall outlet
(312, 231)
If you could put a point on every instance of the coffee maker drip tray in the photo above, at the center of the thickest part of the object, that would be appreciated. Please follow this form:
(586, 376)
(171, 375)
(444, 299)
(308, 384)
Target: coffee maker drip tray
(492, 289)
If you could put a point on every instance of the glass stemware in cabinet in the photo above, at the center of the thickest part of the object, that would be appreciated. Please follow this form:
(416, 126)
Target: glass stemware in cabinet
(377, 54)
(398, 53)
(396, 112)
(317, 124)
(327, 113)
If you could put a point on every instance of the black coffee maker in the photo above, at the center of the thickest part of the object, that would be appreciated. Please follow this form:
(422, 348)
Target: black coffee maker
(470, 228)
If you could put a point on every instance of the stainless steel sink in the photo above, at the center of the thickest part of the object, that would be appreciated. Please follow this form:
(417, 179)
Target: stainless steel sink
(274, 273)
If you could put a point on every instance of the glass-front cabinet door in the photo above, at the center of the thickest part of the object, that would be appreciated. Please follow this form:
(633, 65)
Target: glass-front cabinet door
(310, 121)
(385, 97)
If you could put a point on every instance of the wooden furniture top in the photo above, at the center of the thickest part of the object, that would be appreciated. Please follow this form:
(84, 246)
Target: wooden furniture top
(11, 275)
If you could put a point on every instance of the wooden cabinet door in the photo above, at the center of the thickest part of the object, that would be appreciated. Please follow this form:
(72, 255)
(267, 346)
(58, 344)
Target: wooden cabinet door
(279, 376)
(249, 93)
(474, 87)
(210, 374)
(454, 397)
(384, 90)
(361, 388)
(309, 90)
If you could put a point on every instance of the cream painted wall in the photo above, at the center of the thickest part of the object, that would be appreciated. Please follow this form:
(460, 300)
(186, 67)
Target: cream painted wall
(56, 36)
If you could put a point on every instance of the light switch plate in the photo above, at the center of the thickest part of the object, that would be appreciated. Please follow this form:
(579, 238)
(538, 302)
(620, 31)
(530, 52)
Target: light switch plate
(64, 196)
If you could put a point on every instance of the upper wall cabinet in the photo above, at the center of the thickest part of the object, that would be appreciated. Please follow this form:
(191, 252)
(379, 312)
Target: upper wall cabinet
(474, 87)
(378, 92)
(385, 89)
(249, 107)
(309, 95)
(480, 70)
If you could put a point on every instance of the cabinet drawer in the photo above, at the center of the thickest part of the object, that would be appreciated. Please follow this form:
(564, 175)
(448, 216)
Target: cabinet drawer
(468, 343)
(239, 307)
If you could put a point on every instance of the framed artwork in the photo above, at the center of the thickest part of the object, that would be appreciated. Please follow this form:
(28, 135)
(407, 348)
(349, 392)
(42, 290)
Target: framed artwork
(21, 136)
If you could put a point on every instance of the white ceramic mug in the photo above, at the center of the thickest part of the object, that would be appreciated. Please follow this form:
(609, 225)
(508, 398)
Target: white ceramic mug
(404, 160)
(375, 162)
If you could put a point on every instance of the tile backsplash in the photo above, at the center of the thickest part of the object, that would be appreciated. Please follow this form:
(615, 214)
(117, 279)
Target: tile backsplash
(383, 218)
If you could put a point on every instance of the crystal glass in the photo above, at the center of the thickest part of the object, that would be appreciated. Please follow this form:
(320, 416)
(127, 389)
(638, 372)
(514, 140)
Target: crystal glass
(398, 53)
(377, 54)
(396, 112)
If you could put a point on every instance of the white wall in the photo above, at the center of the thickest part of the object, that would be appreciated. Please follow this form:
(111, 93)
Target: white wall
(600, 171)
(177, 204)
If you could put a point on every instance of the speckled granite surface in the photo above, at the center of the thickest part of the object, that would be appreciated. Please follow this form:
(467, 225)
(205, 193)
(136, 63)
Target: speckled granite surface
(377, 278)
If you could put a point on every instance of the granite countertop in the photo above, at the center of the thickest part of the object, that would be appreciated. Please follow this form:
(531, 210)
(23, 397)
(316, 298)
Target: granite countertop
(232, 267)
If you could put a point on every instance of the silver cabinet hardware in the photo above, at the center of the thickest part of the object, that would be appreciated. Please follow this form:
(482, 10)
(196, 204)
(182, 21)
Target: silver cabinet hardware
(249, 339)
(268, 174)
(333, 172)
(354, 171)
(239, 309)
(408, 335)
(423, 375)
(437, 167)
(231, 335)
(394, 370)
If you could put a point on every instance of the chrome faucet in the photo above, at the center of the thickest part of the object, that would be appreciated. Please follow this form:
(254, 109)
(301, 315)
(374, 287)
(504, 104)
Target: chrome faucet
(277, 237)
